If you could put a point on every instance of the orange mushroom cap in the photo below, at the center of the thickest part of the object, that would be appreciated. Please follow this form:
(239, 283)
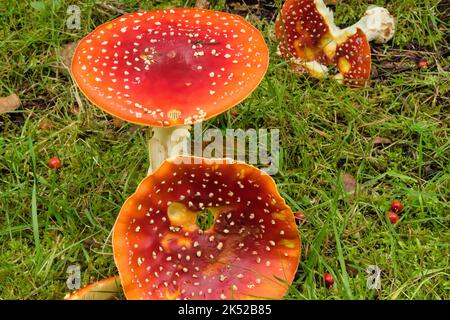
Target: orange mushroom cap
(307, 33)
(161, 253)
(170, 67)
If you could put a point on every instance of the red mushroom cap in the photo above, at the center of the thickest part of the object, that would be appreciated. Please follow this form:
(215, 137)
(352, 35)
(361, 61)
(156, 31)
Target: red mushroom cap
(170, 67)
(161, 253)
(307, 33)
(106, 289)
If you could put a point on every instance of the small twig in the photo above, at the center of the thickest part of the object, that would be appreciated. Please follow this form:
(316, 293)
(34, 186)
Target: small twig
(112, 8)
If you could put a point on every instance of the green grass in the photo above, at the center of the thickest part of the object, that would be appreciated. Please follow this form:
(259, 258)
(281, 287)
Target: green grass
(50, 220)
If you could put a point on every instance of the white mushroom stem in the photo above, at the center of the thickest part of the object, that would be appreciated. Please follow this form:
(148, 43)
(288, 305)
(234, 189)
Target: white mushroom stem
(166, 143)
(314, 68)
(378, 25)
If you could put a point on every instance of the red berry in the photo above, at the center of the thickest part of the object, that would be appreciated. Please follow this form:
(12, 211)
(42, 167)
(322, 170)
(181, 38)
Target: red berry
(396, 206)
(393, 217)
(54, 163)
(422, 64)
(328, 279)
(299, 217)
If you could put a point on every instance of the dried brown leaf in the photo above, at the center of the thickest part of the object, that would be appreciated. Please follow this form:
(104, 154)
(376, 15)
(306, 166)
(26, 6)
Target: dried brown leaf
(349, 182)
(67, 52)
(118, 123)
(9, 103)
(381, 140)
(352, 271)
(46, 124)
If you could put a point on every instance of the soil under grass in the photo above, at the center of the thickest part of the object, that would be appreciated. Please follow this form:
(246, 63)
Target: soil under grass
(391, 137)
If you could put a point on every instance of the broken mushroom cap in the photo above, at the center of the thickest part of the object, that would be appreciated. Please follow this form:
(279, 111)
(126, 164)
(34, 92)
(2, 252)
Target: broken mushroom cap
(311, 41)
(162, 253)
(304, 33)
(106, 289)
(353, 60)
(170, 67)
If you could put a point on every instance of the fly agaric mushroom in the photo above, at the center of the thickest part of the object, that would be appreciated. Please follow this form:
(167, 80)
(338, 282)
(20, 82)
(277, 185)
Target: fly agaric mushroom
(161, 252)
(107, 289)
(169, 69)
(311, 41)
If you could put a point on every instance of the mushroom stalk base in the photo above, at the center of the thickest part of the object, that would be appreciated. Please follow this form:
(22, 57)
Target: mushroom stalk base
(166, 143)
(377, 23)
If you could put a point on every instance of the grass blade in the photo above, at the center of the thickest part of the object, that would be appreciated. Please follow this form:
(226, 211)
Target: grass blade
(34, 214)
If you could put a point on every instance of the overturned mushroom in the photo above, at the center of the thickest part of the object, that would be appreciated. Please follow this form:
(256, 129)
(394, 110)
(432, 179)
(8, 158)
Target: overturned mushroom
(311, 41)
(162, 253)
(169, 69)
